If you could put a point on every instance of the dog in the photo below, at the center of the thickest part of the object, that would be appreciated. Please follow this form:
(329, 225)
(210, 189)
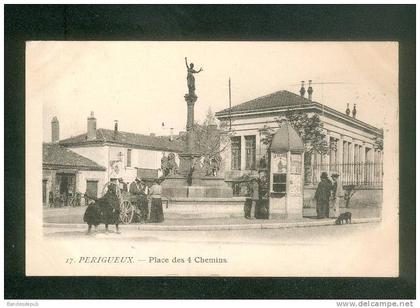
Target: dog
(345, 217)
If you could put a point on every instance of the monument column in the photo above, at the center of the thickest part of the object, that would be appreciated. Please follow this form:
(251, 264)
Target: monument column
(190, 99)
(191, 181)
(187, 157)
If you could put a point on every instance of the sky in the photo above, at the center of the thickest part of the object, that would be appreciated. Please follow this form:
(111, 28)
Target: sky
(142, 84)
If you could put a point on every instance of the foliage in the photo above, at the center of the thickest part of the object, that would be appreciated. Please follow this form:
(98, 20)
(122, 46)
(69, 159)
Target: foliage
(311, 131)
(349, 192)
(210, 140)
(309, 127)
(210, 118)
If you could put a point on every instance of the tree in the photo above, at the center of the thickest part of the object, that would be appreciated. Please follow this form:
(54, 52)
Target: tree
(210, 118)
(311, 130)
(210, 140)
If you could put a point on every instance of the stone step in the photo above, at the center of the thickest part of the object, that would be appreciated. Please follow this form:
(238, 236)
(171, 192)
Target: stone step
(207, 200)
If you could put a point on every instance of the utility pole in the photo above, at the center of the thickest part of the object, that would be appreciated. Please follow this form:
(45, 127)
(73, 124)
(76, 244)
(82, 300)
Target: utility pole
(230, 107)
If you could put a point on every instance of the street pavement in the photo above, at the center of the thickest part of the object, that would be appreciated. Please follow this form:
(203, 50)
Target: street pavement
(69, 215)
(309, 235)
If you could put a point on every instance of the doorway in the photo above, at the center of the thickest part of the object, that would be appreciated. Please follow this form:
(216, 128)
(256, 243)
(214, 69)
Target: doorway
(92, 188)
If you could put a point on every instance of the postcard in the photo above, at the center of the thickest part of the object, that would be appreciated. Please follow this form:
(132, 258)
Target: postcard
(216, 158)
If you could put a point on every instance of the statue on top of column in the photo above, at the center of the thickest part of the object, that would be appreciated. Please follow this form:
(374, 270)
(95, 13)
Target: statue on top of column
(190, 77)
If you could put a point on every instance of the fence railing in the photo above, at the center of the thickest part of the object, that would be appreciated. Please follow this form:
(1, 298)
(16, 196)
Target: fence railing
(360, 174)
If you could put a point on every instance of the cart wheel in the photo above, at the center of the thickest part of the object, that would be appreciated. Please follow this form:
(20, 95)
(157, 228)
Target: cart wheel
(126, 212)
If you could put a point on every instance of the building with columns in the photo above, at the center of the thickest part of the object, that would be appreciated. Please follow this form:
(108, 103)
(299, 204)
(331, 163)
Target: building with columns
(353, 144)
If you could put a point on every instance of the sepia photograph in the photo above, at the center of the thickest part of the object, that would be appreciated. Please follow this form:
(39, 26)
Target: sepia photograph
(212, 158)
(188, 152)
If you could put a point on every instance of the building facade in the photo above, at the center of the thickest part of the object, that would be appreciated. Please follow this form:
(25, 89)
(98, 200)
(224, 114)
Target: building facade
(124, 155)
(64, 173)
(354, 149)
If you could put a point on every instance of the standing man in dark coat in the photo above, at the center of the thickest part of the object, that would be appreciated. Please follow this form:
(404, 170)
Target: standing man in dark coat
(255, 197)
(136, 189)
(322, 196)
(144, 206)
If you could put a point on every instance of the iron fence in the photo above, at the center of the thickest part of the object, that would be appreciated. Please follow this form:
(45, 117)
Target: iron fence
(360, 174)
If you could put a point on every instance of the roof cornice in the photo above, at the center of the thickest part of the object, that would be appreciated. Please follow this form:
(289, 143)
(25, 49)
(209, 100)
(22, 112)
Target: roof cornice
(313, 106)
(78, 167)
(113, 143)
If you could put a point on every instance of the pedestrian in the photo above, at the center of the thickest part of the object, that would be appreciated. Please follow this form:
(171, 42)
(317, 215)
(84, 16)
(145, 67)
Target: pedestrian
(51, 199)
(337, 195)
(248, 202)
(137, 191)
(122, 185)
(255, 197)
(156, 210)
(104, 210)
(110, 207)
(144, 208)
(92, 216)
(322, 196)
(190, 176)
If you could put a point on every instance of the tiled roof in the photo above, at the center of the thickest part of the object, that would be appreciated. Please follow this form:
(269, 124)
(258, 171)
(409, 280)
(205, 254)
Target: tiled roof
(129, 139)
(57, 157)
(273, 100)
(285, 99)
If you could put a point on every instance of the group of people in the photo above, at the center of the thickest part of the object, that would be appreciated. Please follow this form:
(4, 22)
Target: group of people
(254, 206)
(328, 196)
(142, 193)
(107, 208)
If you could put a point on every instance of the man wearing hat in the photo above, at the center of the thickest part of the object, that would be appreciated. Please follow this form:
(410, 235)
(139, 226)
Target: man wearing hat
(322, 196)
(137, 190)
(255, 197)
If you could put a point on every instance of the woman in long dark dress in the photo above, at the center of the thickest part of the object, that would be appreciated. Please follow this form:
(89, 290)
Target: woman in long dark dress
(322, 196)
(92, 216)
(156, 210)
(105, 210)
(110, 207)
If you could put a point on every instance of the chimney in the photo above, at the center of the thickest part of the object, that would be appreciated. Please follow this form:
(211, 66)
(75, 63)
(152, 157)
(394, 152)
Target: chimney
(171, 137)
(354, 111)
(310, 90)
(91, 127)
(115, 129)
(302, 89)
(348, 110)
(55, 130)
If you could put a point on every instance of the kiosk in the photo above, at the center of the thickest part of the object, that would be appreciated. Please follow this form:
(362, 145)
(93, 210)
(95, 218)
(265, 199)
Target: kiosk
(286, 174)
